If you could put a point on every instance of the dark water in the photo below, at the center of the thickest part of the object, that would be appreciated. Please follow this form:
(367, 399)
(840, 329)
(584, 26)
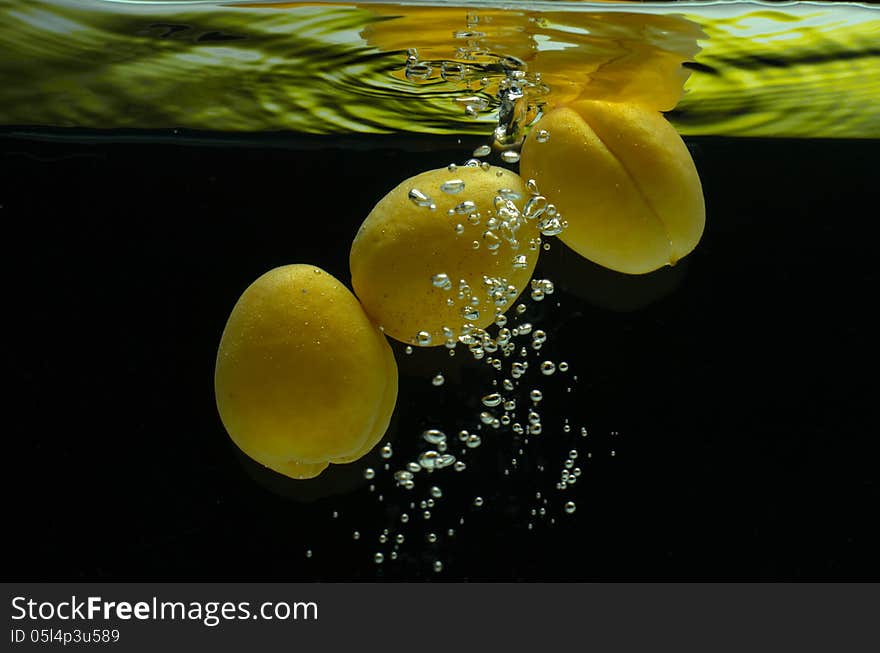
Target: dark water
(740, 383)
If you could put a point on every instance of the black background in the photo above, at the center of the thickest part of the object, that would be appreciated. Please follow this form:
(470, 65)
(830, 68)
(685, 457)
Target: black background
(741, 382)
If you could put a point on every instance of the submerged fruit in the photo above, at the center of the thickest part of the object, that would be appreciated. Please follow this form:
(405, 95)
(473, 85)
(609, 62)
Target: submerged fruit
(444, 249)
(303, 378)
(623, 179)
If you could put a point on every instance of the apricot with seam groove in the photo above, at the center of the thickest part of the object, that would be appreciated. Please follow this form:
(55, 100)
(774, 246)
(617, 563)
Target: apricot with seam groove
(623, 179)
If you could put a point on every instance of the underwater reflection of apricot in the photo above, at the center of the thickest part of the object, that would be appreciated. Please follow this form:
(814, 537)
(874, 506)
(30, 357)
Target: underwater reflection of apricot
(612, 56)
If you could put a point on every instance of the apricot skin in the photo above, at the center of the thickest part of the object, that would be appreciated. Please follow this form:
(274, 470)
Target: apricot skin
(303, 378)
(401, 246)
(623, 179)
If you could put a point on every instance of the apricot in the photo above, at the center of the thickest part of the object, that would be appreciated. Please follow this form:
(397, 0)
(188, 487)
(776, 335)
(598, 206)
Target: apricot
(624, 180)
(442, 250)
(303, 378)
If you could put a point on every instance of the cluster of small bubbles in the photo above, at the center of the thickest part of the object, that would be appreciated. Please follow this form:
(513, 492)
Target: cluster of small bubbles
(438, 380)
(369, 473)
(420, 199)
(452, 186)
(539, 337)
(548, 368)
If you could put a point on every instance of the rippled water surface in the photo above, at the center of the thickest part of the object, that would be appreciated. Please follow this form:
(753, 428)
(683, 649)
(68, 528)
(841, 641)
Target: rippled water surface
(803, 69)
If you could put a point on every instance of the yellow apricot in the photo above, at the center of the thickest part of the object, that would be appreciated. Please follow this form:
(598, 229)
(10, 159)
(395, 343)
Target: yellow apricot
(303, 378)
(623, 179)
(405, 247)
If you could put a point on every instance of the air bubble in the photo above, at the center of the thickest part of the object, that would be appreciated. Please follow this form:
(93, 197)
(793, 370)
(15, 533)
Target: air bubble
(542, 136)
(492, 400)
(434, 436)
(441, 280)
(452, 186)
(419, 198)
(369, 473)
(465, 208)
(510, 156)
(423, 338)
(483, 150)
(438, 380)
(570, 507)
(547, 368)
